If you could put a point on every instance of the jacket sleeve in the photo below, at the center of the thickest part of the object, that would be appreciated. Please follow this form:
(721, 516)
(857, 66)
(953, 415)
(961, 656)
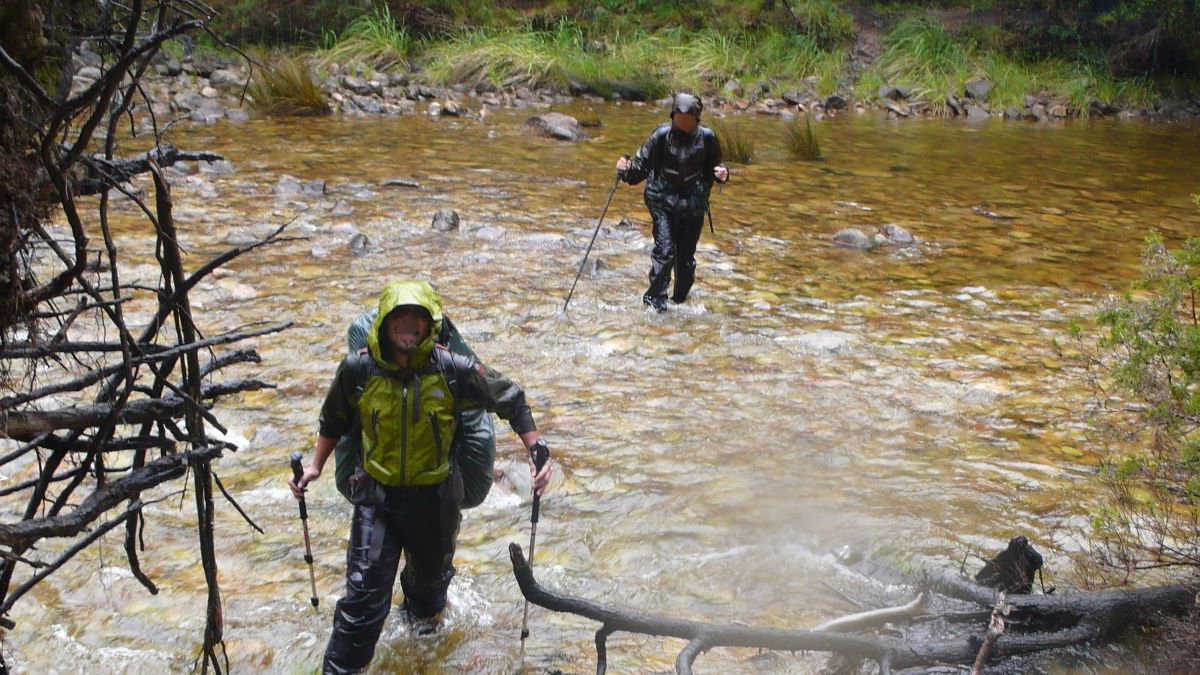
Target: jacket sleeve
(338, 410)
(645, 160)
(482, 387)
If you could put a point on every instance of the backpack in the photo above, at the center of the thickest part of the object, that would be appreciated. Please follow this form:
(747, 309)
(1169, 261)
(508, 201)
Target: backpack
(473, 448)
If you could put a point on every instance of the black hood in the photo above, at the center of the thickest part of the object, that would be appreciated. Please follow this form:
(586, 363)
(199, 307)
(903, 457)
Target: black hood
(688, 104)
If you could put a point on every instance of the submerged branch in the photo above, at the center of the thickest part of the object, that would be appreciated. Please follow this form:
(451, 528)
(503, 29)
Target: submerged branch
(1075, 620)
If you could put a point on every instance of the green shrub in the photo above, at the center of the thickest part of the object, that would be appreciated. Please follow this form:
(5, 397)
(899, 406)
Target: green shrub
(287, 88)
(1145, 375)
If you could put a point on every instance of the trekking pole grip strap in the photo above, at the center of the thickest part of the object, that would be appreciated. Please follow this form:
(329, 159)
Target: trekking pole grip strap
(541, 455)
(297, 472)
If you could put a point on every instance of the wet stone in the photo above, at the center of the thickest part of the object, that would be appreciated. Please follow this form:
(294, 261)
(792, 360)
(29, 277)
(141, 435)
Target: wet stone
(557, 126)
(359, 245)
(853, 238)
(897, 235)
(240, 238)
(445, 220)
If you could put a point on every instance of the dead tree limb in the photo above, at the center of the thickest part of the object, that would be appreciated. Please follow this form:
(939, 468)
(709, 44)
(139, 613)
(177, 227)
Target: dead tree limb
(1075, 627)
(19, 535)
(137, 394)
(995, 630)
(105, 173)
(26, 425)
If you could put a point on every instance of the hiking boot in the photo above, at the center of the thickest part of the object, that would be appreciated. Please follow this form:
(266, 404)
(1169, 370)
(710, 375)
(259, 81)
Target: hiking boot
(418, 625)
(657, 304)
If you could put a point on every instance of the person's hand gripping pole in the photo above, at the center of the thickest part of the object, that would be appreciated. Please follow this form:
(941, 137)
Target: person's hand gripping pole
(541, 455)
(297, 472)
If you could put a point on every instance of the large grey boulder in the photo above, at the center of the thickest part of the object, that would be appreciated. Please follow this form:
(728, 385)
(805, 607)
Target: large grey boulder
(557, 126)
(226, 78)
(979, 88)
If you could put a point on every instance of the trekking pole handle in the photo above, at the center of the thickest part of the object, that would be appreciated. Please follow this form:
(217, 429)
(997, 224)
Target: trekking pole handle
(541, 455)
(298, 471)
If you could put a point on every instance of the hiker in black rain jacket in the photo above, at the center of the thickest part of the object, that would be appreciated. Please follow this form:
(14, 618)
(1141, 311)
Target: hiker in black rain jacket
(679, 162)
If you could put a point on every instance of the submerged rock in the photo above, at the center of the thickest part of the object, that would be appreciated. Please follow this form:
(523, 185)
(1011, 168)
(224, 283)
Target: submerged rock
(558, 126)
(853, 238)
(896, 235)
(359, 244)
(445, 220)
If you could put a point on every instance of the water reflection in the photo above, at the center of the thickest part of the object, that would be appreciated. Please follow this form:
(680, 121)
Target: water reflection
(806, 397)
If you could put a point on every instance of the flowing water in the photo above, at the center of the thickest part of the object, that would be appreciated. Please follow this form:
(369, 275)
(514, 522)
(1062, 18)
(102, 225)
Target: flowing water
(710, 460)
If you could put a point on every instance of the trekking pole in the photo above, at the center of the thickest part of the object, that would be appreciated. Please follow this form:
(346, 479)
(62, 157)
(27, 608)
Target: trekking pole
(297, 471)
(593, 241)
(541, 454)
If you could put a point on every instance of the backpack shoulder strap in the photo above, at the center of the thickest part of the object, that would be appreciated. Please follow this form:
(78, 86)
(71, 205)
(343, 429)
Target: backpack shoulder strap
(454, 367)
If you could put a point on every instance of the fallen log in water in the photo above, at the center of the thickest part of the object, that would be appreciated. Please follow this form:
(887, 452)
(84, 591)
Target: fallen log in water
(1074, 620)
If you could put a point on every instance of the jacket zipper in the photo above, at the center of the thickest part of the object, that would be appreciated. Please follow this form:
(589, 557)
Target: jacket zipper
(374, 433)
(404, 436)
(437, 436)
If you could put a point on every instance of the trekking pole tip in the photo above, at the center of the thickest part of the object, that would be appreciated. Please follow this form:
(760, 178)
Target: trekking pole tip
(314, 600)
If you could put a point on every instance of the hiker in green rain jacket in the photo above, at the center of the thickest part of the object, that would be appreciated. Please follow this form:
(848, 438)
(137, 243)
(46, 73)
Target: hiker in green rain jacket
(406, 396)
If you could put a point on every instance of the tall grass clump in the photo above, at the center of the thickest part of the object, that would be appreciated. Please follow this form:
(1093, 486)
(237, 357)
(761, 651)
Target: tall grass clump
(630, 66)
(790, 59)
(286, 87)
(800, 140)
(824, 22)
(921, 53)
(509, 57)
(737, 144)
(372, 39)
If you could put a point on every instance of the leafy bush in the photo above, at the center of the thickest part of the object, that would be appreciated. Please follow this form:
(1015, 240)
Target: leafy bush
(1150, 357)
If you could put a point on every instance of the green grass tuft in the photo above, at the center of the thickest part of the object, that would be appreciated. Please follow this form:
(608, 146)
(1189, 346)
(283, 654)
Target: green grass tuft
(372, 39)
(737, 145)
(287, 88)
(800, 140)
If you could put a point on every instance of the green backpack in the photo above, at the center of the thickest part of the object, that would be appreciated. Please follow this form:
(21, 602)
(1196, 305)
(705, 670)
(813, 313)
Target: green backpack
(473, 448)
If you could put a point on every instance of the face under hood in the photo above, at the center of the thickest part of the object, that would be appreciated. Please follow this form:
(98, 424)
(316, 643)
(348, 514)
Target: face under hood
(395, 294)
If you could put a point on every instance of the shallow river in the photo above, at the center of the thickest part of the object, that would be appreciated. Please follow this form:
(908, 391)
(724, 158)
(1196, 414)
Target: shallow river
(711, 460)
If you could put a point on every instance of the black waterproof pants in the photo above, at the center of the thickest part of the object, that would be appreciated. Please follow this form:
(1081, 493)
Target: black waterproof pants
(678, 221)
(415, 522)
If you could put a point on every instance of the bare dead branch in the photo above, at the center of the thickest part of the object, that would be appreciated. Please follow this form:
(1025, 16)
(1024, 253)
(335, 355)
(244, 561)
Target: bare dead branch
(20, 535)
(26, 425)
(1073, 622)
(105, 173)
(170, 353)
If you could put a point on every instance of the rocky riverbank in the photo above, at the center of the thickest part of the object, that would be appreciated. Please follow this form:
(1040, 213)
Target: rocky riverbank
(210, 89)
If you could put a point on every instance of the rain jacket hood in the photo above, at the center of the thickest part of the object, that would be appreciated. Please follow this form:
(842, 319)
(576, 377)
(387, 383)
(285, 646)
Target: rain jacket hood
(687, 104)
(395, 294)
